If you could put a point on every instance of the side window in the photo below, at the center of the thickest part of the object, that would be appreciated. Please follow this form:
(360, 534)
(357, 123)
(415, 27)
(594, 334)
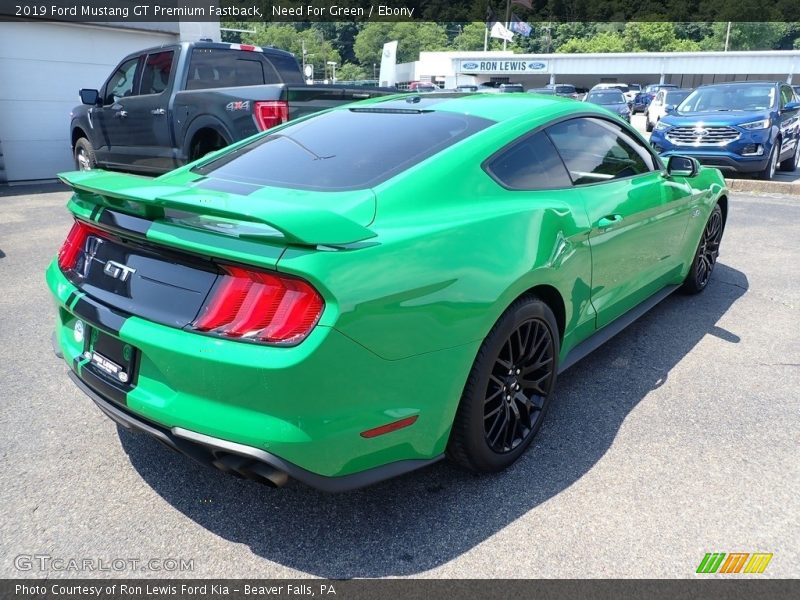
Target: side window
(216, 68)
(120, 84)
(786, 95)
(596, 150)
(530, 164)
(155, 75)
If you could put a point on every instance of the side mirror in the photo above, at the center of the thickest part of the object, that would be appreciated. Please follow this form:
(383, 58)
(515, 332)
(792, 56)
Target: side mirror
(791, 106)
(90, 97)
(670, 108)
(682, 166)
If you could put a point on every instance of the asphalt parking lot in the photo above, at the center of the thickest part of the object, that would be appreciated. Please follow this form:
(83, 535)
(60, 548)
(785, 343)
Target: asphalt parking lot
(679, 437)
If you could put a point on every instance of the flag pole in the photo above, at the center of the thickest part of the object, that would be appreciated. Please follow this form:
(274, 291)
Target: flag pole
(508, 21)
(486, 39)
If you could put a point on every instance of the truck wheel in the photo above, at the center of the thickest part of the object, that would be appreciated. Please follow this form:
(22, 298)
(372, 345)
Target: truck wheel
(772, 164)
(793, 162)
(84, 155)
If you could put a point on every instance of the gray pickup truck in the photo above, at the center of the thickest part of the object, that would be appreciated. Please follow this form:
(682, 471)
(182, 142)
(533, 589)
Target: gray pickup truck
(166, 106)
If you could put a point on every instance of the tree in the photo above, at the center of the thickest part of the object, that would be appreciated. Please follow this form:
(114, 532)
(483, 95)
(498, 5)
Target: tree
(286, 37)
(745, 36)
(602, 42)
(351, 72)
(412, 37)
(649, 37)
(368, 46)
(470, 38)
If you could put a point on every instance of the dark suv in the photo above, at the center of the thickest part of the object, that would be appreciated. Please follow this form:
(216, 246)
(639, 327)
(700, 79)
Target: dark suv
(745, 127)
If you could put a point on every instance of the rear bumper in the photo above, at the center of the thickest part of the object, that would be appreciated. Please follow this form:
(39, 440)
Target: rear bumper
(299, 410)
(239, 459)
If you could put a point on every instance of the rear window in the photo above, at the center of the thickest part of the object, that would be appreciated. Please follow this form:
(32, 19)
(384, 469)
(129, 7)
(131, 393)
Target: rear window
(218, 68)
(344, 149)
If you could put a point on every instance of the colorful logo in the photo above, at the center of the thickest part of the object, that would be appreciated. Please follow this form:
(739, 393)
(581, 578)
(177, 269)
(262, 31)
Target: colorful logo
(735, 562)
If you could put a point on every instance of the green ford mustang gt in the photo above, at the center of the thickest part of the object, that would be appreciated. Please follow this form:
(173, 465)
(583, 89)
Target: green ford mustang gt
(359, 293)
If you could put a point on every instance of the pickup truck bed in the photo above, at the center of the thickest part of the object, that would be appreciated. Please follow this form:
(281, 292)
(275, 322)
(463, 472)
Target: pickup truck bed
(166, 106)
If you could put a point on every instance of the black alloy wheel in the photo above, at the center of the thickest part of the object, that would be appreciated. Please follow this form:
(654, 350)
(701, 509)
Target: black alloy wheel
(707, 253)
(518, 386)
(508, 389)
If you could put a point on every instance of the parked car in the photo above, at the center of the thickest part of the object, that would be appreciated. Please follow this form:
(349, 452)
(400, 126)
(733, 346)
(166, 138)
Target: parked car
(633, 90)
(745, 127)
(664, 97)
(642, 100)
(322, 303)
(423, 87)
(611, 99)
(163, 107)
(467, 88)
(545, 91)
(566, 90)
(511, 88)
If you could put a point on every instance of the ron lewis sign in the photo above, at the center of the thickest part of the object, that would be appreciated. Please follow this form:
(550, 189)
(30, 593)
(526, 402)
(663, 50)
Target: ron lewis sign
(502, 66)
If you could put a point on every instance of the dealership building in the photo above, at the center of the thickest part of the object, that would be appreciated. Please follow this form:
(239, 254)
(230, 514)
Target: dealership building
(44, 64)
(686, 69)
(42, 67)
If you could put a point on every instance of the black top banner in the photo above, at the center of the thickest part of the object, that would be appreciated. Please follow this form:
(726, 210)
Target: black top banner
(532, 11)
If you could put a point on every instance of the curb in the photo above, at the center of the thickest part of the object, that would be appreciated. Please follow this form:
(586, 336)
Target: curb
(764, 187)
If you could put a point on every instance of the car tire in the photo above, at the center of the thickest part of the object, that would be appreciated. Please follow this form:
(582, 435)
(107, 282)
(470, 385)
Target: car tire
(705, 257)
(772, 163)
(85, 159)
(508, 389)
(648, 126)
(793, 162)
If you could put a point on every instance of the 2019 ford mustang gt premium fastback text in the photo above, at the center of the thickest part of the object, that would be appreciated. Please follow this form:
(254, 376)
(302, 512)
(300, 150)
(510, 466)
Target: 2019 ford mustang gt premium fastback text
(364, 291)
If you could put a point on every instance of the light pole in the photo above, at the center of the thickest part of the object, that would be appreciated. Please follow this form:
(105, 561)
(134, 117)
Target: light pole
(332, 65)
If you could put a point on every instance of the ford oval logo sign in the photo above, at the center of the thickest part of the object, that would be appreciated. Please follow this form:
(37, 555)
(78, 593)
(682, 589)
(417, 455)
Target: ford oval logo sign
(469, 66)
(536, 66)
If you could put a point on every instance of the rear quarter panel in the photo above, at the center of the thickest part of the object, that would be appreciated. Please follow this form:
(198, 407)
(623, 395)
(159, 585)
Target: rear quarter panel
(454, 250)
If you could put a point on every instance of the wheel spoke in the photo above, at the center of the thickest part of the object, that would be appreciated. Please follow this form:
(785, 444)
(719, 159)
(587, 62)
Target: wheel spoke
(491, 414)
(516, 390)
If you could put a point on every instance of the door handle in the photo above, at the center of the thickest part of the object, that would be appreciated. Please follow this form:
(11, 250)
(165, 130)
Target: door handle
(609, 220)
(121, 114)
(158, 111)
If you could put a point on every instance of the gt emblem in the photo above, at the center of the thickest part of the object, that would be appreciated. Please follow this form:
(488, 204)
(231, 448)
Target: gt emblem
(118, 271)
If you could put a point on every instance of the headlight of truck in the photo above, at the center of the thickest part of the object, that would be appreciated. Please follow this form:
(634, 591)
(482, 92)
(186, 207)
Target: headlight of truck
(753, 125)
(661, 126)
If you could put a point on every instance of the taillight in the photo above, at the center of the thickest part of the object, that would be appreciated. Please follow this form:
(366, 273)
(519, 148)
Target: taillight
(72, 246)
(263, 307)
(270, 114)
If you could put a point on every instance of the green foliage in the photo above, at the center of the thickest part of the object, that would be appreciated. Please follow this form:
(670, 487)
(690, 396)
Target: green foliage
(608, 41)
(412, 38)
(470, 38)
(287, 37)
(357, 46)
(351, 72)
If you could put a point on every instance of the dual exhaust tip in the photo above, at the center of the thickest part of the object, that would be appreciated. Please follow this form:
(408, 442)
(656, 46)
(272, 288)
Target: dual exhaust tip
(248, 468)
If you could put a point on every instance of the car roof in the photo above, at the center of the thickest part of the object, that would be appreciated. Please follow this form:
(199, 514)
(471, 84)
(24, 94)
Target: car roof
(751, 82)
(493, 106)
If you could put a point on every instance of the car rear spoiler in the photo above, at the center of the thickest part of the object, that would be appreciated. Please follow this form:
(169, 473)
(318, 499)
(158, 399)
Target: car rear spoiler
(296, 224)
